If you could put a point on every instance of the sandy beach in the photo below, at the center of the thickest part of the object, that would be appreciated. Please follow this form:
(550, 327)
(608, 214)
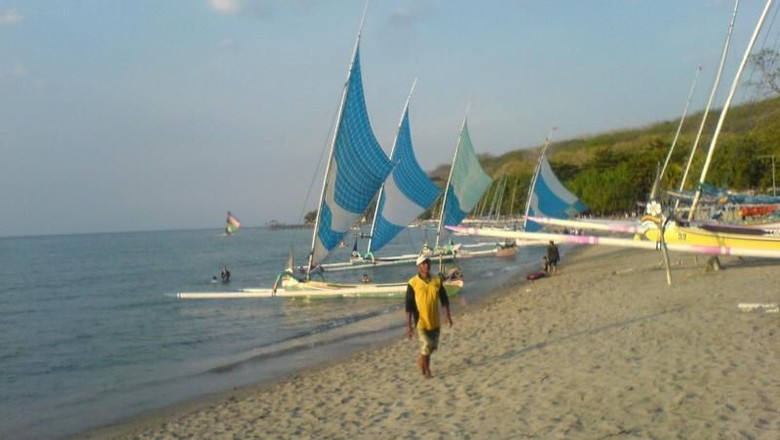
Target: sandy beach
(605, 349)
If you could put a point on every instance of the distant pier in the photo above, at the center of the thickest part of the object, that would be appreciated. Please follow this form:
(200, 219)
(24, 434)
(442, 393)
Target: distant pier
(274, 225)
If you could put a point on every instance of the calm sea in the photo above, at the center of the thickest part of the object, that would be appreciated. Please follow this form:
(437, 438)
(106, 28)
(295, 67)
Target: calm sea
(89, 334)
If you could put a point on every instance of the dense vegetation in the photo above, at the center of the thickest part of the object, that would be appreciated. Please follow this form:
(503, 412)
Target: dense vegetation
(612, 172)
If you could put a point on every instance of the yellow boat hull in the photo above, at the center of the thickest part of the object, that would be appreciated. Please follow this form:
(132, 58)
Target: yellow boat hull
(695, 236)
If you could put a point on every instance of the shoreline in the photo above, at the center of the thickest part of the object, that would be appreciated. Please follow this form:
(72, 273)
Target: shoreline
(130, 427)
(603, 348)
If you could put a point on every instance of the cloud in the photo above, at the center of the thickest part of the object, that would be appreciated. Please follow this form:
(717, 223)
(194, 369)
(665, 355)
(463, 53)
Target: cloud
(414, 12)
(227, 43)
(18, 71)
(10, 17)
(229, 7)
(252, 8)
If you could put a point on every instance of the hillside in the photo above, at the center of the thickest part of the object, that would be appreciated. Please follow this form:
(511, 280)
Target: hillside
(612, 171)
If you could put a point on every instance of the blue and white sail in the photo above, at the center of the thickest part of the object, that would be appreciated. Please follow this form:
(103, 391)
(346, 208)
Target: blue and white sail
(548, 197)
(466, 184)
(407, 192)
(357, 167)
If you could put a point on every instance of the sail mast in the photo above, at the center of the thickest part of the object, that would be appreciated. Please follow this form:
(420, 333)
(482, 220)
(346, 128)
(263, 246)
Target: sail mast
(449, 179)
(725, 110)
(392, 151)
(657, 182)
(536, 175)
(512, 203)
(333, 144)
(711, 98)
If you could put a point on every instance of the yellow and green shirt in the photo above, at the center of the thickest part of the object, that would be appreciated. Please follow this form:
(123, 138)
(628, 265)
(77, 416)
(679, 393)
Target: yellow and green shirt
(422, 300)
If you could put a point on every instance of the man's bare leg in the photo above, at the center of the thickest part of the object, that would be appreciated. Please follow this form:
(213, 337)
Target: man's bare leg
(426, 366)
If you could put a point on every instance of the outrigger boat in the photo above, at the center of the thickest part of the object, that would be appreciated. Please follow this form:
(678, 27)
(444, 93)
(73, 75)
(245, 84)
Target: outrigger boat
(356, 169)
(321, 289)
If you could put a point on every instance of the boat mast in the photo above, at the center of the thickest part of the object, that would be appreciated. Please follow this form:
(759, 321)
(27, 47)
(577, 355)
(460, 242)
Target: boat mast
(392, 151)
(449, 178)
(725, 110)
(512, 203)
(333, 145)
(657, 182)
(712, 97)
(536, 174)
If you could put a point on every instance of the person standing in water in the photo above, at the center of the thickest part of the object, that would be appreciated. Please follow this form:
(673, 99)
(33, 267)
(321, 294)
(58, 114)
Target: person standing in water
(423, 295)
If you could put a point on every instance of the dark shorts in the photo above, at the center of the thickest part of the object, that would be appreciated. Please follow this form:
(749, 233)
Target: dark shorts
(429, 340)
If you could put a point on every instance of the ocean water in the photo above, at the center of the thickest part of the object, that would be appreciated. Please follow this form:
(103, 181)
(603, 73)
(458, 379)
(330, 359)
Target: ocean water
(90, 334)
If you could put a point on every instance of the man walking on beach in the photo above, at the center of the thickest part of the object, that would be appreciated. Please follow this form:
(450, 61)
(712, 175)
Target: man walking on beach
(552, 257)
(423, 294)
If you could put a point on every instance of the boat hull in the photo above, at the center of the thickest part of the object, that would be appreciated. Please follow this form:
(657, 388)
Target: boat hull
(319, 289)
(696, 236)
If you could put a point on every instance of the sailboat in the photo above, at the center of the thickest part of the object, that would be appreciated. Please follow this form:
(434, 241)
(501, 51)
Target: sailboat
(547, 197)
(407, 192)
(356, 169)
(231, 224)
(466, 183)
(734, 237)
(673, 234)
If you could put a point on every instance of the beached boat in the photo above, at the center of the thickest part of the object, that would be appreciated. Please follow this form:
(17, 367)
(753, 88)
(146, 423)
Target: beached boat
(670, 230)
(547, 197)
(694, 235)
(407, 192)
(320, 289)
(466, 183)
(356, 169)
(705, 249)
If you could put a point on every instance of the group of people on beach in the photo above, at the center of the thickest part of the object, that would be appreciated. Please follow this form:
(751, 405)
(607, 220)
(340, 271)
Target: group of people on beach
(425, 292)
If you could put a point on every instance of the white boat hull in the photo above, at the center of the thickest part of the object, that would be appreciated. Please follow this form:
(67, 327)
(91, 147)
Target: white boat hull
(317, 289)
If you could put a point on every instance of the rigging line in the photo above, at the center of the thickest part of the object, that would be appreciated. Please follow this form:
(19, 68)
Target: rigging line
(769, 29)
(769, 32)
(319, 161)
(751, 95)
(757, 91)
(657, 183)
(723, 113)
(777, 35)
(713, 94)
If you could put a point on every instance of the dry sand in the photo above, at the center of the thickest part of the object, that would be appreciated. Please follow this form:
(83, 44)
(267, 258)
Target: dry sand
(605, 349)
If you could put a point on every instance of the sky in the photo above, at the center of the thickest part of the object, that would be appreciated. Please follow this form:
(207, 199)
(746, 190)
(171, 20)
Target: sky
(155, 115)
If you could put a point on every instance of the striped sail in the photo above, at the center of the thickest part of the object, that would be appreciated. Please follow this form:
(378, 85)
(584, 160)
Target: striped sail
(357, 168)
(407, 192)
(550, 198)
(232, 224)
(467, 182)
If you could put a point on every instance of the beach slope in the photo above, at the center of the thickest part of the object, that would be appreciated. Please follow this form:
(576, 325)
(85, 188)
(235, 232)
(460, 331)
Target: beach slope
(605, 349)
